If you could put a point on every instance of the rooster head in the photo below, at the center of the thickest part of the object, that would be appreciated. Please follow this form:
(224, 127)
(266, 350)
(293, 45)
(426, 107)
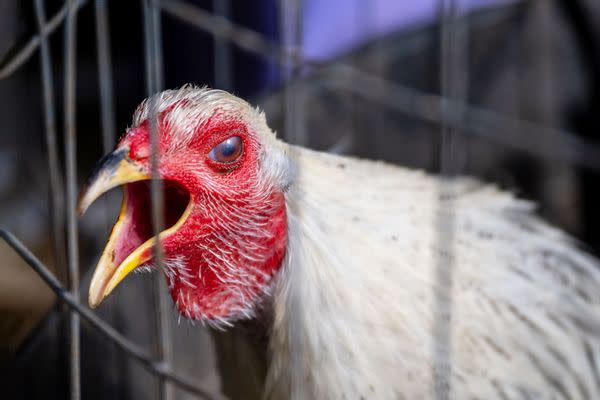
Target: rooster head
(224, 177)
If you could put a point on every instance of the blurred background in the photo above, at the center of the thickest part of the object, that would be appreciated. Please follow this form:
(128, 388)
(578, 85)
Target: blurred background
(505, 90)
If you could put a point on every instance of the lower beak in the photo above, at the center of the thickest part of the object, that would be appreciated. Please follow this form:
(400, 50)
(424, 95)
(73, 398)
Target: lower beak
(113, 170)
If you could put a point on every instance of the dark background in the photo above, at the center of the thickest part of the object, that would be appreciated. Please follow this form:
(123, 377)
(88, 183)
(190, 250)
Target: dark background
(536, 61)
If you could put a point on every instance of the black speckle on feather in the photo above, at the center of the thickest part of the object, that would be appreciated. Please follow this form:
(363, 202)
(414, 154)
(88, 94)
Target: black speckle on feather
(485, 235)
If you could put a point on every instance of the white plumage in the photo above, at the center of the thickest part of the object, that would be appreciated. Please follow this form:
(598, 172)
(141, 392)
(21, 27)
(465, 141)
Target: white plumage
(359, 299)
(397, 284)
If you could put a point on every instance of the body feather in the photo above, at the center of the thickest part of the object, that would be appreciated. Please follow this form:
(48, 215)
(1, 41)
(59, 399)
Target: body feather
(398, 284)
(395, 284)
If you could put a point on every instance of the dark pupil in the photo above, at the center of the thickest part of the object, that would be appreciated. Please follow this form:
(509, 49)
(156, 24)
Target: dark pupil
(228, 148)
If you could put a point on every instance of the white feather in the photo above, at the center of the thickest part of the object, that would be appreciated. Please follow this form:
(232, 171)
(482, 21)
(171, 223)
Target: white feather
(358, 303)
(400, 285)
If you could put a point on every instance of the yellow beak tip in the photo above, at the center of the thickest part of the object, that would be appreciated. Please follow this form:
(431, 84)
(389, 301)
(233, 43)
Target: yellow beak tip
(94, 299)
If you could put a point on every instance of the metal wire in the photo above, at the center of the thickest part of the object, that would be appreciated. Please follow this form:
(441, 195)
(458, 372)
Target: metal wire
(222, 52)
(56, 182)
(154, 84)
(522, 135)
(453, 71)
(136, 352)
(107, 117)
(68, 14)
(448, 110)
(70, 49)
(513, 133)
(105, 77)
(293, 100)
(12, 63)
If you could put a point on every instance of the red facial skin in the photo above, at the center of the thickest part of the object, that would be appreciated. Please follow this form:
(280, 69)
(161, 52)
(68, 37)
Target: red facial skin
(234, 238)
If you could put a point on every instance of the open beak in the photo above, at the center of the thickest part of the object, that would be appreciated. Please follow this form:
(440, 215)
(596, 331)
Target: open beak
(113, 170)
(131, 241)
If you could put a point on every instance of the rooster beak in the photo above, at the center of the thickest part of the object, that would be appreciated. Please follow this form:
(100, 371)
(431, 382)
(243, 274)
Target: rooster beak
(113, 170)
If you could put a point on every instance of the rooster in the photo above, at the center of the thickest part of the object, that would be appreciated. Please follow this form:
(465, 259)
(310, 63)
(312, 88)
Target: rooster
(353, 262)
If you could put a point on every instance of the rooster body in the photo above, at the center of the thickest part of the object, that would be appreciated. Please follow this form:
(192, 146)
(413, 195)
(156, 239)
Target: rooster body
(381, 282)
(358, 300)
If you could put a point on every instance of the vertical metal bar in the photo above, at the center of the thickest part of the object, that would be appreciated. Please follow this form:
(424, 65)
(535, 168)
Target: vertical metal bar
(152, 35)
(105, 78)
(450, 81)
(107, 116)
(452, 87)
(149, 49)
(157, 44)
(70, 48)
(291, 31)
(222, 52)
(56, 182)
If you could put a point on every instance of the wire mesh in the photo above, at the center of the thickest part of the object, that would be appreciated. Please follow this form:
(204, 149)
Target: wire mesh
(449, 109)
(71, 187)
(154, 84)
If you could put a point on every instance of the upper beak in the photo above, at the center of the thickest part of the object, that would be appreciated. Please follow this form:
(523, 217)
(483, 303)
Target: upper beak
(113, 170)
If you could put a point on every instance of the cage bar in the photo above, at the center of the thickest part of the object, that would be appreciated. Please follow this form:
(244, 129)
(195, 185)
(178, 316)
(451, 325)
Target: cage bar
(105, 78)
(450, 110)
(222, 52)
(504, 130)
(154, 79)
(133, 350)
(70, 72)
(290, 17)
(453, 75)
(54, 171)
(12, 64)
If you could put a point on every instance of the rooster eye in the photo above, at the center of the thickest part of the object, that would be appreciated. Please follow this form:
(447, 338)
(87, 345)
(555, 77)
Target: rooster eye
(228, 151)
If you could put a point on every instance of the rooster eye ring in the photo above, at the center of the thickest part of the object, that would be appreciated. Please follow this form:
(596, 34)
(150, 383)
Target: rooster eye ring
(228, 151)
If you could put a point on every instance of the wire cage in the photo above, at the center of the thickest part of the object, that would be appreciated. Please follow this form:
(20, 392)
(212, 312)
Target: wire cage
(509, 93)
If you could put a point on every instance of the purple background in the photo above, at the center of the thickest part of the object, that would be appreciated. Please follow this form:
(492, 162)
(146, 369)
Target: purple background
(333, 27)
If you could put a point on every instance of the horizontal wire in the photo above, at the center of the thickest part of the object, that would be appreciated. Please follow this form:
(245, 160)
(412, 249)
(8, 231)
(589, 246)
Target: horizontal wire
(525, 136)
(10, 64)
(122, 342)
(522, 135)
(508, 131)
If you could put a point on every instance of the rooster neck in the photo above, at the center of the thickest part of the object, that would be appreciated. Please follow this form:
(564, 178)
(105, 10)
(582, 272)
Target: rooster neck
(319, 299)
